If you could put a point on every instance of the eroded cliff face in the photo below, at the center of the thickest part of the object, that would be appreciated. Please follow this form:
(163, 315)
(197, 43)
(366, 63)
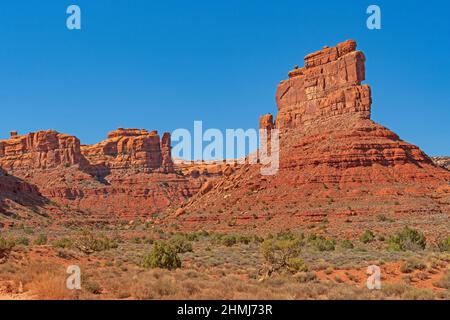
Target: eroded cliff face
(328, 86)
(335, 162)
(40, 150)
(130, 174)
(131, 149)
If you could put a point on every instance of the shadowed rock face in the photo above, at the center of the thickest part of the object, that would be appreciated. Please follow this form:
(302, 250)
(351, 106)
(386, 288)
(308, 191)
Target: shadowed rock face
(334, 161)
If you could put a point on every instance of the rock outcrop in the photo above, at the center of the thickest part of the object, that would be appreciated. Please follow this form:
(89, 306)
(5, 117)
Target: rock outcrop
(335, 162)
(40, 150)
(129, 174)
(329, 86)
(443, 162)
(131, 149)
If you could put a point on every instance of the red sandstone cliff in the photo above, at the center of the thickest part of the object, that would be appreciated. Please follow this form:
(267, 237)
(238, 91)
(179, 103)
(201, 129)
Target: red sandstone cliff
(335, 162)
(129, 174)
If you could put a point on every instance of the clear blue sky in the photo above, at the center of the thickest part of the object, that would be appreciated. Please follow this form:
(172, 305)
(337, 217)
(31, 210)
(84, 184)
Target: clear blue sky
(163, 64)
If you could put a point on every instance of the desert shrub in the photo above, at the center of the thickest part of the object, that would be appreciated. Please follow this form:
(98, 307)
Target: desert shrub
(92, 287)
(41, 240)
(304, 277)
(407, 239)
(24, 241)
(281, 254)
(286, 235)
(243, 239)
(163, 255)
(181, 243)
(411, 265)
(347, 244)
(6, 246)
(89, 243)
(321, 243)
(297, 265)
(63, 243)
(229, 240)
(136, 240)
(444, 282)
(367, 237)
(444, 244)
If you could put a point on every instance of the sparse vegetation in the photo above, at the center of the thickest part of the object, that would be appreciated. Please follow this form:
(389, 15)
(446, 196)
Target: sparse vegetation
(41, 240)
(321, 243)
(347, 244)
(281, 254)
(412, 265)
(181, 243)
(367, 237)
(407, 240)
(444, 244)
(6, 246)
(88, 242)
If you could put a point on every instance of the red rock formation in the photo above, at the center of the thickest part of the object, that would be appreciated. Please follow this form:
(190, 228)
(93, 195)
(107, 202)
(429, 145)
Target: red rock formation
(132, 148)
(334, 161)
(40, 150)
(129, 174)
(327, 87)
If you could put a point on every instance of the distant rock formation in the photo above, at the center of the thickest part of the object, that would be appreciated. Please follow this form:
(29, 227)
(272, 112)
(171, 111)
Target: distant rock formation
(132, 148)
(129, 174)
(40, 150)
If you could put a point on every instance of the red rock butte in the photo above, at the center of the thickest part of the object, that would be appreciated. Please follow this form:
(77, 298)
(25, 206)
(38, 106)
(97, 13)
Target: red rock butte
(335, 163)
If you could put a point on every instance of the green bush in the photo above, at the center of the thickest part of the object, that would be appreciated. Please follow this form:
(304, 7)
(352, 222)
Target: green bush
(181, 243)
(163, 255)
(5, 247)
(297, 265)
(89, 243)
(407, 239)
(24, 241)
(229, 240)
(367, 237)
(347, 244)
(282, 254)
(41, 240)
(444, 244)
(321, 243)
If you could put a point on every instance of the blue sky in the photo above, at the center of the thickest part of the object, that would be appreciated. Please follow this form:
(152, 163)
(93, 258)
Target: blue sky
(163, 64)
